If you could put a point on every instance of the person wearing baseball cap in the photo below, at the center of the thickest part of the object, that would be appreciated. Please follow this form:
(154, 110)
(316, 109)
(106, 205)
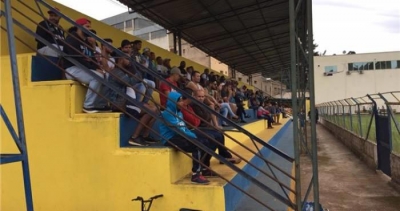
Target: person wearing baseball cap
(165, 89)
(53, 33)
(84, 55)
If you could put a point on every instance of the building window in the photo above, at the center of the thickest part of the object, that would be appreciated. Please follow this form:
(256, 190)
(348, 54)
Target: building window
(331, 69)
(128, 24)
(255, 82)
(145, 36)
(158, 34)
(357, 66)
(183, 51)
(142, 23)
(239, 79)
(394, 64)
(119, 26)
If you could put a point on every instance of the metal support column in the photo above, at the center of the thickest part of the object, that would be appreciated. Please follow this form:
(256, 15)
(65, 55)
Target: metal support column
(312, 104)
(295, 111)
(175, 43)
(180, 43)
(20, 140)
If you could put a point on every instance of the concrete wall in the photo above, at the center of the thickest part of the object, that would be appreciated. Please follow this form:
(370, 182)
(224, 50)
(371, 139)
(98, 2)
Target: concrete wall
(395, 166)
(342, 85)
(365, 150)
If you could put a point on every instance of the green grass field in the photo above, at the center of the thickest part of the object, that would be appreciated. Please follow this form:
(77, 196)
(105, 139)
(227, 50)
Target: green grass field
(345, 121)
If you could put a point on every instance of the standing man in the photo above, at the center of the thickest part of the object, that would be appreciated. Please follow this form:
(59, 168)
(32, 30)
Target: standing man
(54, 35)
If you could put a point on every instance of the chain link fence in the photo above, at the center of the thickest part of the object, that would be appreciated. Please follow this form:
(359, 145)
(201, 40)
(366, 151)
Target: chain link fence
(358, 115)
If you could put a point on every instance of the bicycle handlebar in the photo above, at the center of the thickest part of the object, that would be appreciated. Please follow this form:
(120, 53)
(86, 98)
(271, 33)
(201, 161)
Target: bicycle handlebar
(157, 196)
(139, 198)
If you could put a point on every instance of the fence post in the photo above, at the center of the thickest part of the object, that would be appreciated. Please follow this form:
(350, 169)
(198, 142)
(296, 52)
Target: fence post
(338, 111)
(343, 115)
(351, 116)
(359, 116)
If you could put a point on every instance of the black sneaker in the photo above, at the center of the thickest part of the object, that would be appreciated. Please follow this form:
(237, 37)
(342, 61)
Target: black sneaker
(137, 142)
(150, 140)
(90, 110)
(104, 109)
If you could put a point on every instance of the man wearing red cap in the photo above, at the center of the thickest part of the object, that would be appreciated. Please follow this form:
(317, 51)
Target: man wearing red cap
(52, 33)
(77, 50)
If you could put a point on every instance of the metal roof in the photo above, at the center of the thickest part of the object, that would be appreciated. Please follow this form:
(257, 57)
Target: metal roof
(251, 36)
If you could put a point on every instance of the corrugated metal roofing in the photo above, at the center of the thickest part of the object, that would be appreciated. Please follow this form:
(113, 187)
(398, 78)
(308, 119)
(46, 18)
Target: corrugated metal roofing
(252, 36)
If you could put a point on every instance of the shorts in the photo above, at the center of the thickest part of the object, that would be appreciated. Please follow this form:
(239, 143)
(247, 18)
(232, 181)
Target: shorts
(134, 111)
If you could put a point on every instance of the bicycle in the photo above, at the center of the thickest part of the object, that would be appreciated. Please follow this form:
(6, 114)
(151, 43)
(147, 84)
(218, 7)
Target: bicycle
(146, 204)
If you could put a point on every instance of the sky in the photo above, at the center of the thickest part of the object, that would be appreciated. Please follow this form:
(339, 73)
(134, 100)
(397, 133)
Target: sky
(363, 26)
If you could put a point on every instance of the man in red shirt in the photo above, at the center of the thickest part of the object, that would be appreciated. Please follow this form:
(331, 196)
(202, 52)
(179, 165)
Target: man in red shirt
(191, 115)
(165, 89)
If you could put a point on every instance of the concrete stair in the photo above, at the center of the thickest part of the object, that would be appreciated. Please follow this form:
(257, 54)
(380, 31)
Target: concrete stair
(79, 161)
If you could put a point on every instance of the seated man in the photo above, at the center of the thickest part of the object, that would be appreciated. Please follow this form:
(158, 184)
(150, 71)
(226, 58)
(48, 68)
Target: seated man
(264, 114)
(195, 85)
(123, 82)
(173, 118)
(165, 89)
(82, 54)
(192, 114)
(50, 31)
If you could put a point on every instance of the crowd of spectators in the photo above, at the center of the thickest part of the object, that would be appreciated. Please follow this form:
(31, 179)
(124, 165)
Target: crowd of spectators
(223, 95)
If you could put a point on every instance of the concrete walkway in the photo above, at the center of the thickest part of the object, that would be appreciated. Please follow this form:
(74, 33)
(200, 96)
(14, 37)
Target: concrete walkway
(346, 183)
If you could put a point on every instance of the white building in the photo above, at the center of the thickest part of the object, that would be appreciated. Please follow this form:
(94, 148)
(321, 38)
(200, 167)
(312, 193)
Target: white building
(344, 76)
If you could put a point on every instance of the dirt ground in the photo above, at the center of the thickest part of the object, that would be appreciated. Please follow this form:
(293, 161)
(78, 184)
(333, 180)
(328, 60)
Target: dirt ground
(346, 183)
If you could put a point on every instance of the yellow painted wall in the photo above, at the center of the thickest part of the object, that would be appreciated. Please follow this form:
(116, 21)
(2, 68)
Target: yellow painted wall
(103, 30)
(75, 159)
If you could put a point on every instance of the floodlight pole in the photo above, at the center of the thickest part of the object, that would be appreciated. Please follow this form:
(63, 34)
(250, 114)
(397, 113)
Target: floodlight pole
(312, 104)
(295, 112)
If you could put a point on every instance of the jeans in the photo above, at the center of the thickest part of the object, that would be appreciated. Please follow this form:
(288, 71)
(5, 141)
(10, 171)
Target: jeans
(84, 77)
(240, 111)
(105, 92)
(144, 93)
(225, 110)
(217, 136)
(268, 118)
(183, 144)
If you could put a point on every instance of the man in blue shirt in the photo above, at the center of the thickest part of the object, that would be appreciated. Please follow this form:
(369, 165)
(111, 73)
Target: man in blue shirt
(173, 117)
